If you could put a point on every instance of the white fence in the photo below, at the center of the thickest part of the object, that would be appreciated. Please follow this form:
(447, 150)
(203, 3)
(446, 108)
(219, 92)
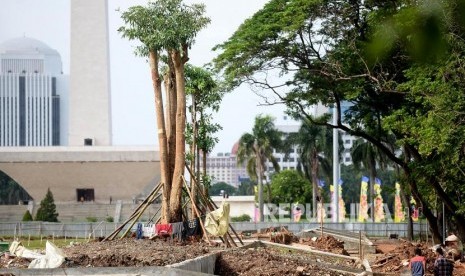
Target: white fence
(102, 229)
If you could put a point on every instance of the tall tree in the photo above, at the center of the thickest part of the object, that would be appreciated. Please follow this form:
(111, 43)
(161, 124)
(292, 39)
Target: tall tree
(167, 26)
(256, 148)
(321, 47)
(205, 98)
(370, 158)
(315, 145)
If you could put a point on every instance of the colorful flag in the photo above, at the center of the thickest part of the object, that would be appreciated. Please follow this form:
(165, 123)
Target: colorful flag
(379, 210)
(342, 206)
(363, 209)
(414, 209)
(399, 214)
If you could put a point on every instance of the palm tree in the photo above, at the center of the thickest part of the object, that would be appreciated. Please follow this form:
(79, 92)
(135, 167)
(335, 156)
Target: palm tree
(256, 148)
(370, 157)
(315, 145)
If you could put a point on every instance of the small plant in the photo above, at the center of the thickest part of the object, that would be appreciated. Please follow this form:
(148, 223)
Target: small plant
(243, 217)
(91, 219)
(47, 209)
(27, 216)
(109, 219)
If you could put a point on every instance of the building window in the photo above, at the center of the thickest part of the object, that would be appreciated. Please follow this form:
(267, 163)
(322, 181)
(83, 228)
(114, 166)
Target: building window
(291, 159)
(347, 141)
(85, 195)
(347, 159)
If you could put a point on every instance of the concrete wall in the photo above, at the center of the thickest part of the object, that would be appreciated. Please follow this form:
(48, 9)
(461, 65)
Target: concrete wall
(240, 205)
(118, 172)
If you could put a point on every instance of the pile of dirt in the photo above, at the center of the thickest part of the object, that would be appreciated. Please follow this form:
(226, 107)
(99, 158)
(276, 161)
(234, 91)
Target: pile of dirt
(125, 252)
(397, 259)
(326, 243)
(265, 261)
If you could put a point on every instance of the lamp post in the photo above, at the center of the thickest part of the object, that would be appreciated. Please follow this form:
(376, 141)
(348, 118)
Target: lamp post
(335, 165)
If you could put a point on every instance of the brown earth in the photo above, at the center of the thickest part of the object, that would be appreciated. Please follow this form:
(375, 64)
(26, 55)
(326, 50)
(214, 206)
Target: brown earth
(125, 252)
(267, 261)
(326, 243)
(394, 254)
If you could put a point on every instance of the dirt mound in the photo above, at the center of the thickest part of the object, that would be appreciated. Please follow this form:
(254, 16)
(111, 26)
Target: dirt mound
(125, 252)
(326, 243)
(264, 261)
(394, 260)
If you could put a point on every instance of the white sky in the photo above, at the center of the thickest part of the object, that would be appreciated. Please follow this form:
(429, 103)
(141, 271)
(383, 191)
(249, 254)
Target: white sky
(132, 95)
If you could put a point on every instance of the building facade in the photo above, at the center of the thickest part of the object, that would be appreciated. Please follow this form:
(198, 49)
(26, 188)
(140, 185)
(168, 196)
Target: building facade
(33, 94)
(224, 168)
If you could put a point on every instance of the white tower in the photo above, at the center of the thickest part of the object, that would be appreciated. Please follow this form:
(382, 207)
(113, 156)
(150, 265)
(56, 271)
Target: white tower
(89, 99)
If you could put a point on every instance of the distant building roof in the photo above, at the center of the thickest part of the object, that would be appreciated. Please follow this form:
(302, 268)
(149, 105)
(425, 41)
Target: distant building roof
(26, 45)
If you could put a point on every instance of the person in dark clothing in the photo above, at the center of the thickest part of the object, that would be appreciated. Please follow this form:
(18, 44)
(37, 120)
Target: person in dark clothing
(442, 266)
(418, 264)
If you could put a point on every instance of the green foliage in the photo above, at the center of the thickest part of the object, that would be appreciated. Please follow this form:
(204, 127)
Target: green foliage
(243, 217)
(27, 216)
(245, 188)
(216, 189)
(289, 186)
(163, 24)
(259, 146)
(47, 209)
(407, 100)
(109, 219)
(91, 219)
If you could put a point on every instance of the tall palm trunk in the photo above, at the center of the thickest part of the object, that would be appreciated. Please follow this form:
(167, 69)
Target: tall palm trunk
(180, 159)
(164, 170)
(315, 192)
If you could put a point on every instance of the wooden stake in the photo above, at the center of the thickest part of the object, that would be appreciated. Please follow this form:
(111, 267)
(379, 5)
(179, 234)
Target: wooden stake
(195, 209)
(212, 206)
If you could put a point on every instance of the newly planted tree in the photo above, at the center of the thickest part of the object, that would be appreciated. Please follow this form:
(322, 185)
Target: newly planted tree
(166, 30)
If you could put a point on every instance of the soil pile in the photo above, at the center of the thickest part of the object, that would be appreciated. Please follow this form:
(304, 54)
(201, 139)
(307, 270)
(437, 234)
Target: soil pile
(395, 260)
(326, 243)
(264, 261)
(125, 252)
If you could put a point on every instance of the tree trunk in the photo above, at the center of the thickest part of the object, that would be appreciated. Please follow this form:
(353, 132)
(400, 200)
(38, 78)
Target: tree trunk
(315, 192)
(164, 170)
(170, 85)
(372, 194)
(180, 158)
(193, 152)
(204, 164)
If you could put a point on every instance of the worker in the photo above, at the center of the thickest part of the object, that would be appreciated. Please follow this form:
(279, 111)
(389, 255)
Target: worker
(454, 247)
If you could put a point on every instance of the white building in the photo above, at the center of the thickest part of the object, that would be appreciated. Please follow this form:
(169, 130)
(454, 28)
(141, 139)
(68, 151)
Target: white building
(224, 168)
(33, 94)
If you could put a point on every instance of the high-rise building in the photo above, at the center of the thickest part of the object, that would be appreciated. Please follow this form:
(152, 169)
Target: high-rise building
(33, 94)
(224, 168)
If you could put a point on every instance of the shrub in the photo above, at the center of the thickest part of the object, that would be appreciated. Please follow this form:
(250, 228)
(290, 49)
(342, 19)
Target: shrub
(27, 216)
(91, 219)
(243, 217)
(47, 209)
(109, 219)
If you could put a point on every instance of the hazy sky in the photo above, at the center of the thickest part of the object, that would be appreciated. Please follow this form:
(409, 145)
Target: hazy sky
(132, 95)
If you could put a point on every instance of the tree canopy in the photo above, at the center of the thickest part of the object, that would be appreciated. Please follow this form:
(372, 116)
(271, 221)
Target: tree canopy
(400, 65)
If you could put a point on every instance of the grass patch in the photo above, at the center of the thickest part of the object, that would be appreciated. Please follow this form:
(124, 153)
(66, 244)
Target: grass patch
(38, 243)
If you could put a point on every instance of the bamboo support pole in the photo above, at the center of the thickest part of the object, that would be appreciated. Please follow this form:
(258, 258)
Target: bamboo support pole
(133, 215)
(152, 198)
(212, 206)
(194, 206)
